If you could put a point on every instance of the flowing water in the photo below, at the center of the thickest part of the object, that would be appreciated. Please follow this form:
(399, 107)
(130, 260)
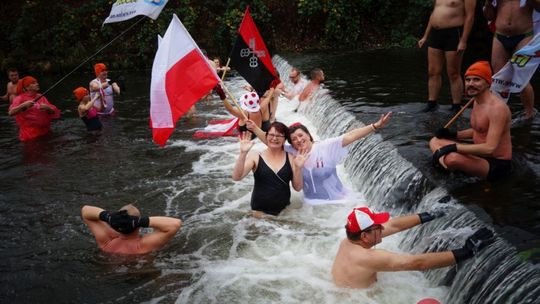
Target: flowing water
(222, 255)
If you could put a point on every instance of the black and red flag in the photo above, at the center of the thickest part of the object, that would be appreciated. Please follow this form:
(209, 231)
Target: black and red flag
(251, 58)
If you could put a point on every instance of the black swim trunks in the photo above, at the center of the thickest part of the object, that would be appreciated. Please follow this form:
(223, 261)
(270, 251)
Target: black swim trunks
(498, 168)
(510, 42)
(446, 39)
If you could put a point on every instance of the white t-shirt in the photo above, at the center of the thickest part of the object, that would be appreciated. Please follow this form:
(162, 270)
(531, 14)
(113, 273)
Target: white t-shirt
(321, 183)
(299, 86)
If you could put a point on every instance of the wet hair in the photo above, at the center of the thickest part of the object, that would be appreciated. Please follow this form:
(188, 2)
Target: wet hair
(315, 72)
(131, 210)
(296, 127)
(280, 128)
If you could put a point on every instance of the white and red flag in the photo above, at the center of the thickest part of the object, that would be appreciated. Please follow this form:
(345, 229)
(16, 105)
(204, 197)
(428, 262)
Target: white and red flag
(181, 75)
(218, 128)
(124, 10)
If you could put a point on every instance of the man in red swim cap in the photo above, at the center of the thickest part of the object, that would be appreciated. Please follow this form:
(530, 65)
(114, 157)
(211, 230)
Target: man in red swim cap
(489, 156)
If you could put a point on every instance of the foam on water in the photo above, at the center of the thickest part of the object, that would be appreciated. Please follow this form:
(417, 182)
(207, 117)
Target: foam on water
(240, 259)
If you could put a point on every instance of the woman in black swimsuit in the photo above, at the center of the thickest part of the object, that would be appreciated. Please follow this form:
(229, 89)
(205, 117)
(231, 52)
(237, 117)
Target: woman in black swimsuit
(273, 169)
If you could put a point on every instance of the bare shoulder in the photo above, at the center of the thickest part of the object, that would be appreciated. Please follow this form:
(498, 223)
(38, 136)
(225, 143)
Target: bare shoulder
(500, 108)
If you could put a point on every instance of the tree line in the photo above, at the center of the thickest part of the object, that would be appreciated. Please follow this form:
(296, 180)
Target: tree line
(58, 35)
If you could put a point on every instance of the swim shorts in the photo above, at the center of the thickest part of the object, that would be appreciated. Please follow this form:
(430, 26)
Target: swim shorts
(498, 168)
(446, 39)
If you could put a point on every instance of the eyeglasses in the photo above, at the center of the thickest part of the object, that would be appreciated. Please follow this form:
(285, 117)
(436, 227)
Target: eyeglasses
(293, 77)
(270, 135)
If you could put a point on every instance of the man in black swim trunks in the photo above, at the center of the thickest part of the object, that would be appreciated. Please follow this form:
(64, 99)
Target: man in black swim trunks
(446, 35)
(490, 154)
(513, 30)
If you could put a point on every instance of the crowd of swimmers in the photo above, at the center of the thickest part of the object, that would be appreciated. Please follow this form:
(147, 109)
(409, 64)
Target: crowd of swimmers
(293, 158)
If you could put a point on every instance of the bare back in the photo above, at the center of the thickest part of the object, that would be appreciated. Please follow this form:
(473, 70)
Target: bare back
(351, 266)
(308, 91)
(448, 13)
(512, 19)
(490, 120)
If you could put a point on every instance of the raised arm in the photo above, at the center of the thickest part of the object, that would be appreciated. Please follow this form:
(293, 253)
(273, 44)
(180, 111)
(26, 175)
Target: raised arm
(164, 229)
(298, 164)
(101, 230)
(244, 163)
(356, 134)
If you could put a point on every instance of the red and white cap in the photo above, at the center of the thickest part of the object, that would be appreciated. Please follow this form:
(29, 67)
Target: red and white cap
(250, 102)
(362, 218)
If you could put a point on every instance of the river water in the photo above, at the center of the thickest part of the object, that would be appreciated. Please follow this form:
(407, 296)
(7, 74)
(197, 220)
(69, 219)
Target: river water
(223, 255)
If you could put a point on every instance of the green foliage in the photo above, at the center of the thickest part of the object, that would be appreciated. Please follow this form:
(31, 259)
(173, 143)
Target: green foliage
(58, 35)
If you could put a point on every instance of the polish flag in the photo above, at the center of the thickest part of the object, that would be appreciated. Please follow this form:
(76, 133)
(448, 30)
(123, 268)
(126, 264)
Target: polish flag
(181, 76)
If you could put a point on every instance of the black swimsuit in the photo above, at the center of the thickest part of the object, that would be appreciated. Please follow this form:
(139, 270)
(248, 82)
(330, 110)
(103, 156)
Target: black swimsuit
(92, 124)
(271, 192)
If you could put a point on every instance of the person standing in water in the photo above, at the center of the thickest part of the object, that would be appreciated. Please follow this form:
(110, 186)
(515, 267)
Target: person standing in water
(105, 87)
(446, 35)
(33, 112)
(273, 170)
(321, 182)
(88, 109)
(117, 232)
(11, 88)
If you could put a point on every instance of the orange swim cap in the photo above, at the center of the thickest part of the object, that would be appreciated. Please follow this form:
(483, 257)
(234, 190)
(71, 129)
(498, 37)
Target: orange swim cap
(99, 67)
(80, 92)
(24, 82)
(480, 69)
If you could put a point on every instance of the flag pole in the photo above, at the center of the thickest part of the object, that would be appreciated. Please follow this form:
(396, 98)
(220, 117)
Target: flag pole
(225, 71)
(87, 59)
(448, 124)
(234, 100)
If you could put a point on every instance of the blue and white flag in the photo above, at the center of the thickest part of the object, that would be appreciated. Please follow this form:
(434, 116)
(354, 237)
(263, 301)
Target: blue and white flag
(518, 71)
(127, 9)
